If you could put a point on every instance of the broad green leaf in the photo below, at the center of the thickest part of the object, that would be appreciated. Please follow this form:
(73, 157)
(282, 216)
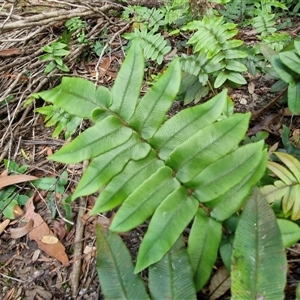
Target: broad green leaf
(104, 167)
(50, 67)
(235, 66)
(46, 57)
(224, 174)
(203, 245)
(291, 60)
(125, 183)
(230, 202)
(236, 78)
(294, 97)
(74, 94)
(126, 89)
(171, 277)
(297, 46)
(46, 183)
(258, 253)
(116, 270)
(221, 78)
(152, 108)
(186, 123)
(225, 250)
(230, 44)
(141, 204)
(94, 141)
(282, 71)
(235, 54)
(166, 225)
(207, 146)
(7, 208)
(290, 232)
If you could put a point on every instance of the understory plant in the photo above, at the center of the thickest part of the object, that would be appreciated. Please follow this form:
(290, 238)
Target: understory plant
(186, 171)
(216, 59)
(287, 66)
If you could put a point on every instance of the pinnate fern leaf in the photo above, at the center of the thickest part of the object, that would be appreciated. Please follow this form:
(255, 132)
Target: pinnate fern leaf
(157, 168)
(287, 187)
(213, 41)
(153, 44)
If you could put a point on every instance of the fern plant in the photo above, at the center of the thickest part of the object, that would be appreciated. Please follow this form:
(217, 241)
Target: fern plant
(216, 53)
(148, 22)
(287, 188)
(63, 121)
(287, 67)
(172, 277)
(153, 44)
(172, 171)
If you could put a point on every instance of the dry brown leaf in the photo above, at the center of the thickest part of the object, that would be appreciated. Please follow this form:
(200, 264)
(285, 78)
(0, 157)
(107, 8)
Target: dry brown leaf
(59, 229)
(13, 179)
(89, 252)
(41, 229)
(49, 239)
(273, 148)
(9, 52)
(3, 225)
(36, 255)
(104, 66)
(251, 87)
(219, 284)
(18, 211)
(10, 294)
(16, 233)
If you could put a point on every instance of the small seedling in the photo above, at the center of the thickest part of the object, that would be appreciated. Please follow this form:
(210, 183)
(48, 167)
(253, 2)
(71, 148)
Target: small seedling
(55, 51)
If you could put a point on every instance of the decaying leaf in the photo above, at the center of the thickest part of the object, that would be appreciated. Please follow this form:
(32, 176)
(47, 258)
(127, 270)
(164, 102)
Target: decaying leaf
(219, 284)
(13, 179)
(16, 233)
(3, 225)
(41, 229)
(49, 239)
(9, 52)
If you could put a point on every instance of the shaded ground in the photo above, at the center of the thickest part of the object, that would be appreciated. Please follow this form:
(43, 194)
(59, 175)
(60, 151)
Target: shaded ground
(27, 272)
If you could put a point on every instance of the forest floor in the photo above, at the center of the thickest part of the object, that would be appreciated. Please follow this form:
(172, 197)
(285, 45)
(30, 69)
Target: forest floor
(29, 270)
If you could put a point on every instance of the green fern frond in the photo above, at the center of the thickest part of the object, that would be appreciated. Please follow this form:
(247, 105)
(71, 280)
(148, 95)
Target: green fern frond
(159, 168)
(264, 23)
(63, 121)
(153, 44)
(288, 187)
(213, 42)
